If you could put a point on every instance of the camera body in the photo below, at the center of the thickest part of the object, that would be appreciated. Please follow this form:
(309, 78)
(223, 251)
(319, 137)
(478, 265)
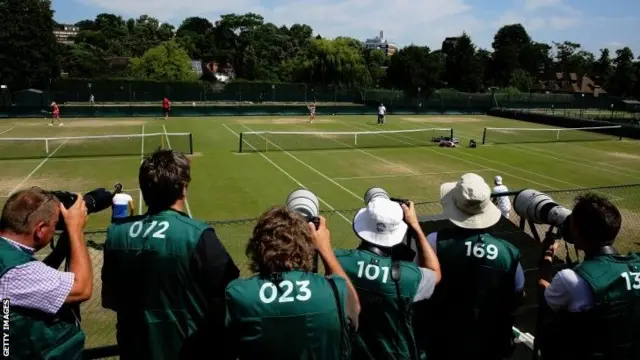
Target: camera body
(96, 201)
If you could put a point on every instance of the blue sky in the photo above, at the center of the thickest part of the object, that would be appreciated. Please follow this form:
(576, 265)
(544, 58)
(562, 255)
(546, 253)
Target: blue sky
(594, 24)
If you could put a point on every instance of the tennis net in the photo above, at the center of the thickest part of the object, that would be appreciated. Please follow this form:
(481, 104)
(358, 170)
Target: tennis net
(541, 135)
(263, 141)
(93, 146)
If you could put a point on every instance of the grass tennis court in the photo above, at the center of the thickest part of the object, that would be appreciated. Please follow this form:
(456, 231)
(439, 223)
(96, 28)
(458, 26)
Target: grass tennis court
(227, 184)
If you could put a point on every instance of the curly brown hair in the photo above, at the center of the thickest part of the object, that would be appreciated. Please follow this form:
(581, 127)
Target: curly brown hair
(281, 242)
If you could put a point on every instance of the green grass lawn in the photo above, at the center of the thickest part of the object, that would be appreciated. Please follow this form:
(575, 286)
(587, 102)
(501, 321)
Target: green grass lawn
(231, 185)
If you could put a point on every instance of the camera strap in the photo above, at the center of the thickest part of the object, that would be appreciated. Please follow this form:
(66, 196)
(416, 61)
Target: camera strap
(343, 325)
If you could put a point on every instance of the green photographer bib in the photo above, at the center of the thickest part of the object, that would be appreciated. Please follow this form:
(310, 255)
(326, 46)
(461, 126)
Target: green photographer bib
(287, 316)
(385, 322)
(148, 280)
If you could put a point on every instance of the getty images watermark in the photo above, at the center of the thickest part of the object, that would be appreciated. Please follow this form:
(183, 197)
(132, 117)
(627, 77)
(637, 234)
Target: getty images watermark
(6, 307)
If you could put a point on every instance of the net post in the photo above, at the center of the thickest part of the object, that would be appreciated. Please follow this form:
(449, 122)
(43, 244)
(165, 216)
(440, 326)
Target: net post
(266, 142)
(46, 145)
(451, 136)
(620, 133)
(191, 143)
(240, 142)
(558, 135)
(484, 135)
(355, 139)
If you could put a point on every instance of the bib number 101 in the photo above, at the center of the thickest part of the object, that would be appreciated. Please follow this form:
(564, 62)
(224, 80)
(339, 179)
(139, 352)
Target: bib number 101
(481, 250)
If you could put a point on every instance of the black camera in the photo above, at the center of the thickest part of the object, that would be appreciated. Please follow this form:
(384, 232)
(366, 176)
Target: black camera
(96, 201)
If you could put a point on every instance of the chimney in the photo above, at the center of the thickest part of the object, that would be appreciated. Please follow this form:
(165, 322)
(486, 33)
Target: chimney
(381, 35)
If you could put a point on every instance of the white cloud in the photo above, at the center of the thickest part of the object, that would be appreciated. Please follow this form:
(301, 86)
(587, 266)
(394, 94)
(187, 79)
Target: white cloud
(537, 4)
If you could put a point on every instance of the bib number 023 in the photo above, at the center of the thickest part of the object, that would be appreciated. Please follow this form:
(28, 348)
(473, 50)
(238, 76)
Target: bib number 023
(269, 292)
(481, 250)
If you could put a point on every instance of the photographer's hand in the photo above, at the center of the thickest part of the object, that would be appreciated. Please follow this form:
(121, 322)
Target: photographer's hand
(546, 264)
(75, 219)
(427, 258)
(322, 240)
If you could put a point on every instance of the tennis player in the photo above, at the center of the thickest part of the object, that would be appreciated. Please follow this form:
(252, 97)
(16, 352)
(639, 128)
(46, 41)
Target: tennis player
(382, 112)
(122, 206)
(312, 112)
(55, 111)
(166, 108)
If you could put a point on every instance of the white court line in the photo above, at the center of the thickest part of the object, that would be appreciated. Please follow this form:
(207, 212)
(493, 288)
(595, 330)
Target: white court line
(141, 160)
(37, 168)
(9, 129)
(408, 175)
(186, 202)
(419, 146)
(310, 167)
(411, 172)
(287, 174)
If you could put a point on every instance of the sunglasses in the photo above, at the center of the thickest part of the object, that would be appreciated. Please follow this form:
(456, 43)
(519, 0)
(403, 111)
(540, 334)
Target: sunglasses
(49, 198)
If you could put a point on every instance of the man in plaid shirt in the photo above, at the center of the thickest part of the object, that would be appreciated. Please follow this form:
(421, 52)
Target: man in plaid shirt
(41, 322)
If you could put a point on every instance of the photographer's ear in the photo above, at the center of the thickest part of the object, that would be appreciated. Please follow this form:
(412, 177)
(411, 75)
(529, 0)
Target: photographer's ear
(44, 232)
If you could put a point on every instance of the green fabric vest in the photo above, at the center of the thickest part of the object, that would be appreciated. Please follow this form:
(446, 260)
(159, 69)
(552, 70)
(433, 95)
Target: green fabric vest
(287, 316)
(34, 334)
(474, 302)
(148, 280)
(609, 330)
(385, 330)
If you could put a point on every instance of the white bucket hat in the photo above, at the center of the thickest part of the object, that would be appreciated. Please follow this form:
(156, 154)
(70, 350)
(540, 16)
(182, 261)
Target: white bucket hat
(498, 180)
(381, 223)
(468, 204)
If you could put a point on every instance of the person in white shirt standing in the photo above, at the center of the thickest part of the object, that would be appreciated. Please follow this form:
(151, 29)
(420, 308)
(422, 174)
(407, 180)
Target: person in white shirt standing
(503, 202)
(122, 204)
(382, 112)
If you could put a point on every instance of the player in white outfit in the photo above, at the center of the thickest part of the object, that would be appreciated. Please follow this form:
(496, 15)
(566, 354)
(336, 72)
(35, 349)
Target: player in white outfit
(503, 202)
(382, 112)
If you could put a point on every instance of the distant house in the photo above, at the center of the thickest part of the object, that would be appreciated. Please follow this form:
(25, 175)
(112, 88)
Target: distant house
(65, 34)
(196, 66)
(570, 83)
(380, 43)
(221, 73)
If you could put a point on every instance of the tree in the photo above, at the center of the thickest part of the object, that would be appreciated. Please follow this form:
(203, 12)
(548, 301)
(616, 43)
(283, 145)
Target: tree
(536, 59)
(571, 59)
(29, 54)
(165, 62)
(624, 77)
(413, 68)
(462, 69)
(508, 44)
(603, 68)
(85, 61)
(376, 61)
(196, 35)
(521, 80)
(331, 62)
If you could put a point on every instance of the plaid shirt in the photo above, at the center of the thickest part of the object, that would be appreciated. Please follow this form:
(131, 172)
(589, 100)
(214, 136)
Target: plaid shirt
(35, 285)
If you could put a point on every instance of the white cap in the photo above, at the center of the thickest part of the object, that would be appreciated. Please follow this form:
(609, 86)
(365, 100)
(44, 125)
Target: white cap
(381, 223)
(498, 180)
(467, 203)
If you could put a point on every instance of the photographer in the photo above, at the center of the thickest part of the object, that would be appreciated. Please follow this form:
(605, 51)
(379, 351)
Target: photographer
(42, 324)
(387, 287)
(286, 311)
(593, 307)
(164, 273)
(482, 279)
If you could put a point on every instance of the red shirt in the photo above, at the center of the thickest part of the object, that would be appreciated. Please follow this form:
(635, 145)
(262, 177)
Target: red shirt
(165, 103)
(55, 108)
